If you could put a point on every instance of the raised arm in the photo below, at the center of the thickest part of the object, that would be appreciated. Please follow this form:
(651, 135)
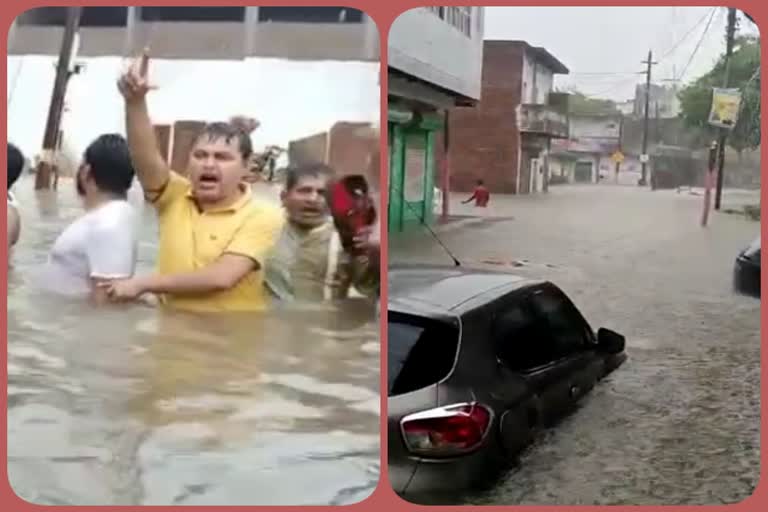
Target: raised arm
(151, 170)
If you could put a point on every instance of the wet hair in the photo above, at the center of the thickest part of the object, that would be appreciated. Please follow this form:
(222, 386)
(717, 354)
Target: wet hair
(15, 164)
(110, 163)
(228, 132)
(293, 175)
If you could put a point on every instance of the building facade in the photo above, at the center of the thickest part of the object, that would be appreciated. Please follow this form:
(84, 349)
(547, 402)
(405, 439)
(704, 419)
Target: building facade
(349, 148)
(505, 139)
(663, 102)
(304, 33)
(435, 61)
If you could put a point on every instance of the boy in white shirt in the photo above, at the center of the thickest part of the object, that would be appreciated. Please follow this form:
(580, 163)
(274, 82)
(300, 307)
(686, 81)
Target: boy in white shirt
(102, 244)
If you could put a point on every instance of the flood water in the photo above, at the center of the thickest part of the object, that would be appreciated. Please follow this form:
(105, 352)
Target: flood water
(679, 422)
(139, 406)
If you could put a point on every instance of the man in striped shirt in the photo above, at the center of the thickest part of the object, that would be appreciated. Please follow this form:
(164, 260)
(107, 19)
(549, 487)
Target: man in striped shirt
(309, 262)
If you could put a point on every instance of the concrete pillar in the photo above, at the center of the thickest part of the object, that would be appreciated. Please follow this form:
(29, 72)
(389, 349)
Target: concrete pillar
(249, 34)
(129, 48)
(372, 38)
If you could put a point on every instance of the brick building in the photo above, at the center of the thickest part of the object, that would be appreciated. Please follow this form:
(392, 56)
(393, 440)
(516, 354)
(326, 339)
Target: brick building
(505, 139)
(349, 148)
(175, 142)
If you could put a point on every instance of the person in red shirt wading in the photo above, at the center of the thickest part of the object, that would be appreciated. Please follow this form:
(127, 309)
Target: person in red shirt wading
(481, 195)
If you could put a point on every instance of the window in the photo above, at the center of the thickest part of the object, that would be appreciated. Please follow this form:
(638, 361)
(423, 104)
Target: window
(521, 342)
(458, 17)
(209, 14)
(89, 17)
(562, 321)
(420, 352)
(310, 15)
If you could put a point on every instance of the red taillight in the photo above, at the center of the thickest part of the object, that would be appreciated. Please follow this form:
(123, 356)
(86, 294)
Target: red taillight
(446, 431)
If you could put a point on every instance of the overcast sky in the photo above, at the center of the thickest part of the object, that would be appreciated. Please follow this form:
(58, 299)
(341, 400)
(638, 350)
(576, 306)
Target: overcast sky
(292, 99)
(616, 40)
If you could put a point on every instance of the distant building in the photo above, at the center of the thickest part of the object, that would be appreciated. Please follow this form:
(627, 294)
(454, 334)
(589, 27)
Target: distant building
(349, 148)
(662, 102)
(505, 139)
(305, 33)
(435, 59)
(627, 108)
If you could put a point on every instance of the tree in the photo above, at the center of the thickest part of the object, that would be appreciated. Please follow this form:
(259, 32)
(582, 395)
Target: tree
(696, 98)
(579, 103)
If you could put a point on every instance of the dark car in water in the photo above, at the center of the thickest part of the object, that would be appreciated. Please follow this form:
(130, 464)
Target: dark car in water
(478, 361)
(746, 272)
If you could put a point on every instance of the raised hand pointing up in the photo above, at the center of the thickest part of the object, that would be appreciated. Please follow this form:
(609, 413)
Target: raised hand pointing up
(134, 83)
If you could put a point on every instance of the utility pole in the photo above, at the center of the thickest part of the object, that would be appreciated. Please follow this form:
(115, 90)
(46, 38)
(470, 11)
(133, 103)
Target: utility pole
(50, 139)
(730, 33)
(619, 147)
(649, 62)
(445, 182)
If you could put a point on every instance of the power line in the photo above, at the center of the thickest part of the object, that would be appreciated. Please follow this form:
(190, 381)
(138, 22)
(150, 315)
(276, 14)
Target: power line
(613, 87)
(698, 45)
(690, 31)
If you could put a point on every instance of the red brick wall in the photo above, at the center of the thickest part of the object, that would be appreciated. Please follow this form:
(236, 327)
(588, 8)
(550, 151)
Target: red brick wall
(484, 140)
(163, 136)
(308, 150)
(353, 148)
(184, 135)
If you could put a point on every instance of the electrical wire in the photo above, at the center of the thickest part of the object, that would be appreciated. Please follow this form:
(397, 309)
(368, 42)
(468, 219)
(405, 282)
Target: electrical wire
(429, 229)
(682, 39)
(698, 45)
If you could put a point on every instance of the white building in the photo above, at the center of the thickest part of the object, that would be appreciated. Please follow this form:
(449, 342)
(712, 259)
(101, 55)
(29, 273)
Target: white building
(306, 33)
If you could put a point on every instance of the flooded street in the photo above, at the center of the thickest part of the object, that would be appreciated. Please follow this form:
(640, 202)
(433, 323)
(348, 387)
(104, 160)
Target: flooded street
(679, 423)
(138, 407)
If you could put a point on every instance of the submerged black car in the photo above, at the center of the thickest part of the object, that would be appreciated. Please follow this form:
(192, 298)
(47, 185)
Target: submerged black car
(477, 362)
(746, 272)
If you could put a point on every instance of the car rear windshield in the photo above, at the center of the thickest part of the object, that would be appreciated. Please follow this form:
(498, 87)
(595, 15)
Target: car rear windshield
(420, 352)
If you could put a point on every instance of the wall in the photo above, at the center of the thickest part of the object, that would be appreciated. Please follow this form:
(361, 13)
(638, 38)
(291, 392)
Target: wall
(308, 150)
(599, 127)
(184, 134)
(537, 81)
(561, 167)
(664, 97)
(423, 45)
(354, 149)
(163, 133)
(484, 140)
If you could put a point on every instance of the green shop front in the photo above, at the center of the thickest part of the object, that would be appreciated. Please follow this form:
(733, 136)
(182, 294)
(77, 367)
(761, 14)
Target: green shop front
(411, 167)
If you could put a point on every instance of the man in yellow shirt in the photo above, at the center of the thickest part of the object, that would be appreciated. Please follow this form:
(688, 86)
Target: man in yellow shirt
(213, 235)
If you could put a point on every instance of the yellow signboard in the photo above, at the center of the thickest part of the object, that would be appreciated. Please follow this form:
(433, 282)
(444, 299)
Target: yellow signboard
(618, 157)
(725, 107)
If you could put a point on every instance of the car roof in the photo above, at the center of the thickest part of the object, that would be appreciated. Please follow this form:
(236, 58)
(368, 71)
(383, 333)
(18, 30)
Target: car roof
(430, 290)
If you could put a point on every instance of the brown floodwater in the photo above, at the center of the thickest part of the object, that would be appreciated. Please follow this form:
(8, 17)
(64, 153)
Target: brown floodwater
(138, 406)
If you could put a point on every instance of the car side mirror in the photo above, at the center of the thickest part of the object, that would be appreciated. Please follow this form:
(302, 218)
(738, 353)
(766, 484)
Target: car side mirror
(610, 341)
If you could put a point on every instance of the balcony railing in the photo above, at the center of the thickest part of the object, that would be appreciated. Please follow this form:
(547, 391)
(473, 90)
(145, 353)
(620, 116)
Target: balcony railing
(542, 120)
